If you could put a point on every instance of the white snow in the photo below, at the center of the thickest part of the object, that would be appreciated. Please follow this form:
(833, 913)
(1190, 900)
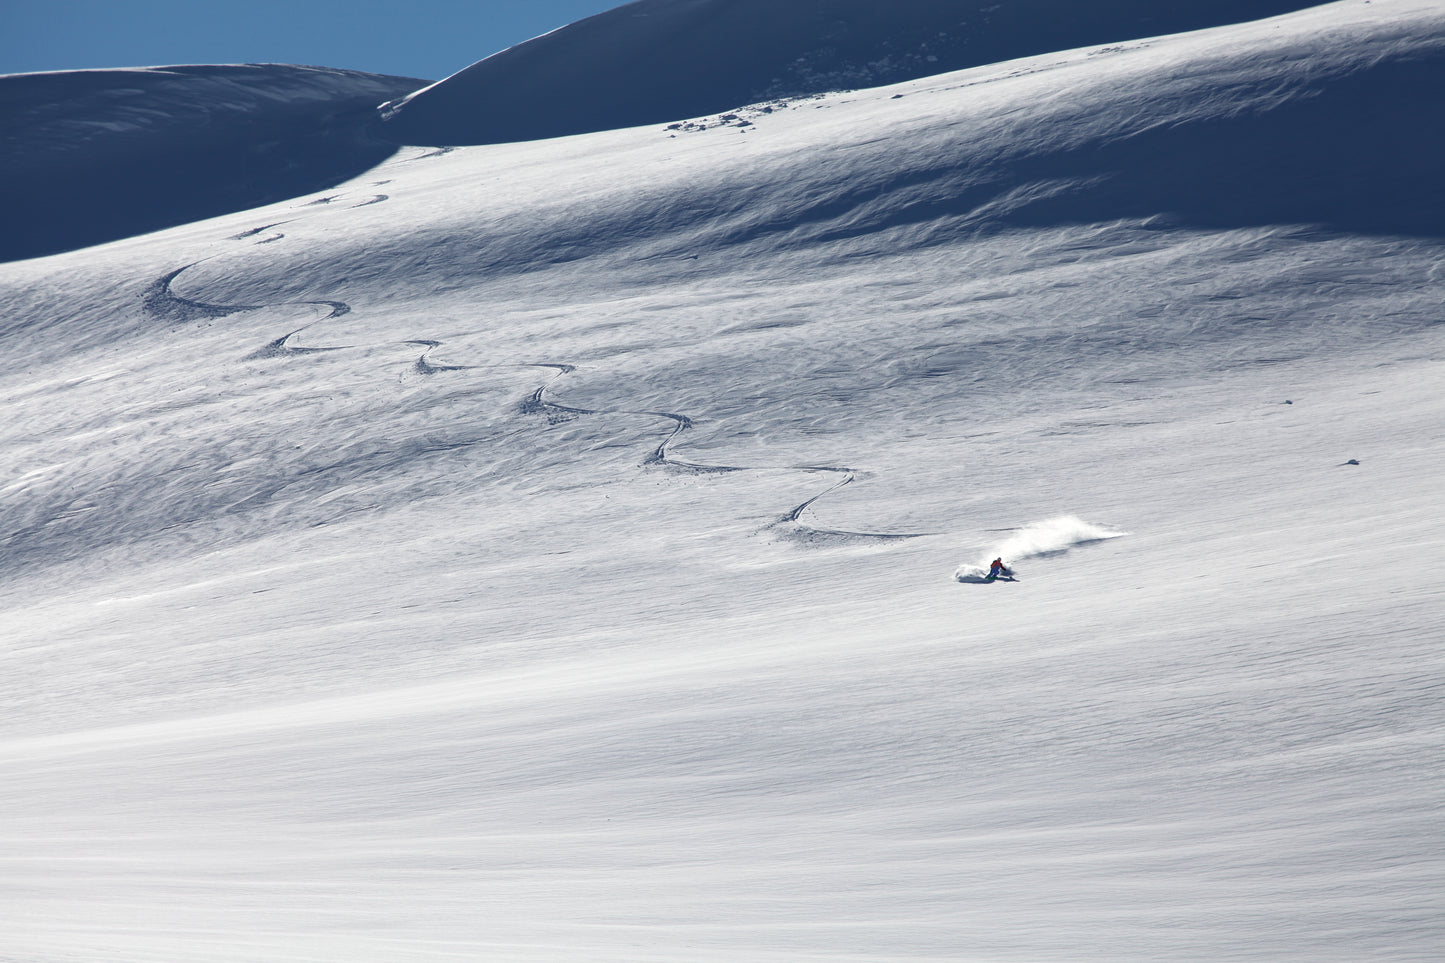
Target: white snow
(437, 631)
(1052, 536)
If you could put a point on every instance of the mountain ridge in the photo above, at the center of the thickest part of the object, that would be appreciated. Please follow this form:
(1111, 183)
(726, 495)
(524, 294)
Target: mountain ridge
(96, 155)
(653, 61)
(169, 145)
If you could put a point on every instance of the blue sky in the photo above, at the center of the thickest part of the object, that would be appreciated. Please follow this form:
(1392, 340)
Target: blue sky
(428, 39)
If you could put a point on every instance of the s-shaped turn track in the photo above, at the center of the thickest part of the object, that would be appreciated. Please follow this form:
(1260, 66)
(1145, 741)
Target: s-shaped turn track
(161, 301)
(538, 403)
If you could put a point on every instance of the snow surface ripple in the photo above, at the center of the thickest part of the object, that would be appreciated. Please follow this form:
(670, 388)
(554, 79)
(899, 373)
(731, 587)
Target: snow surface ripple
(319, 655)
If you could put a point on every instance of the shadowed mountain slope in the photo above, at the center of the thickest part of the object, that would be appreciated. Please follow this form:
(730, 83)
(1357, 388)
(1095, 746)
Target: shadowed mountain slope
(1340, 140)
(660, 60)
(1343, 133)
(95, 155)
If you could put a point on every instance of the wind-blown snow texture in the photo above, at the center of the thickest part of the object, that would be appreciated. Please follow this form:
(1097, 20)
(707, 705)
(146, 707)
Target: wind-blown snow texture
(715, 55)
(547, 551)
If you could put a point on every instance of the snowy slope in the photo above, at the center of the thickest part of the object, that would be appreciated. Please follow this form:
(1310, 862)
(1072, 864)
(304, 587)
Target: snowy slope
(96, 155)
(653, 61)
(502, 555)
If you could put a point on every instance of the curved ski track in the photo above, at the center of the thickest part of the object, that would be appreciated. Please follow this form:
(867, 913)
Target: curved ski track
(161, 301)
(537, 403)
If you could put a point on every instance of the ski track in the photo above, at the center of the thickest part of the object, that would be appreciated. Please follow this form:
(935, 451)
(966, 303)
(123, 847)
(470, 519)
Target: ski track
(537, 403)
(161, 301)
(257, 230)
(424, 367)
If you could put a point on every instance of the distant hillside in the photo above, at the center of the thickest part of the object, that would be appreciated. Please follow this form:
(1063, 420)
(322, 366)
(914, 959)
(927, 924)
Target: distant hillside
(661, 60)
(95, 155)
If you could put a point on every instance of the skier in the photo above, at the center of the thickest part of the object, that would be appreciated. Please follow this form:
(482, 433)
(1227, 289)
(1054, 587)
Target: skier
(998, 568)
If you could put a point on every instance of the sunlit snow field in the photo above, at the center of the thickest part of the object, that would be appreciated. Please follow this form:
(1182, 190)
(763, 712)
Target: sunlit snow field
(502, 556)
